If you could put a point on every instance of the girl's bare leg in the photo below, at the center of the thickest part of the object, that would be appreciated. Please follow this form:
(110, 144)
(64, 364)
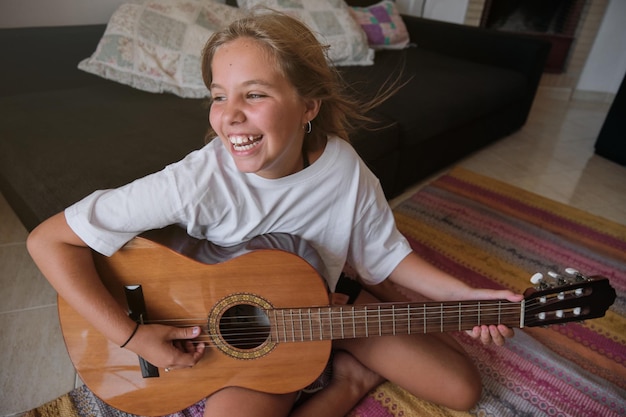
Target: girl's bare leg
(241, 402)
(433, 367)
(350, 382)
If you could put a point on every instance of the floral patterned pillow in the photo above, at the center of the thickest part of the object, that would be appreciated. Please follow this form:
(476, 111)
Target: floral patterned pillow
(382, 24)
(155, 45)
(331, 22)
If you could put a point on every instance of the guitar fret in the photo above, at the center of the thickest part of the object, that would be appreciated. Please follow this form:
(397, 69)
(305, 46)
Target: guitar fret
(478, 312)
(367, 334)
(393, 318)
(408, 319)
(293, 334)
(310, 325)
(380, 329)
(425, 319)
(277, 323)
(301, 325)
(441, 317)
(330, 322)
(353, 323)
(460, 325)
(319, 310)
(291, 324)
(282, 313)
(343, 336)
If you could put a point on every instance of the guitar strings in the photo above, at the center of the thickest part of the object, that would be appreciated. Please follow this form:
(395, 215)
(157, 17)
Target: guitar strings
(482, 311)
(373, 309)
(325, 317)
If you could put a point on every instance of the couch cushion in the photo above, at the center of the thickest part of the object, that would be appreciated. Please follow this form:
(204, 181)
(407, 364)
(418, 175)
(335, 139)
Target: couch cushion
(458, 91)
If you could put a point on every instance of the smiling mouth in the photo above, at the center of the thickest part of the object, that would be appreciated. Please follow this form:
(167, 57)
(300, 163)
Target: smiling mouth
(244, 143)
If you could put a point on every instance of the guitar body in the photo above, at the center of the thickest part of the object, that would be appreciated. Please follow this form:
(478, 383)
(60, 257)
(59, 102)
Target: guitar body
(176, 286)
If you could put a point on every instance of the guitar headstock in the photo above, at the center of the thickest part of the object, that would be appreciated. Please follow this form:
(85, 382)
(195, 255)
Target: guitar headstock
(559, 299)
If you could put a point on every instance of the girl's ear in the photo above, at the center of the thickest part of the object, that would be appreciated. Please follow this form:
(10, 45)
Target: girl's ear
(312, 108)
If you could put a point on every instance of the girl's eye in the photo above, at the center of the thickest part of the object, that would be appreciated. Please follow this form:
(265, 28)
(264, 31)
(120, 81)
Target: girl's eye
(255, 95)
(218, 98)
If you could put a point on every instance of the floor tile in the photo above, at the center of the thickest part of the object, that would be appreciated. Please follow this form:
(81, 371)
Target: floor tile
(23, 286)
(35, 365)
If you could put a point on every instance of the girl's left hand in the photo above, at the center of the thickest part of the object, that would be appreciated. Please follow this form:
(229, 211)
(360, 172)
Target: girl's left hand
(496, 334)
(491, 334)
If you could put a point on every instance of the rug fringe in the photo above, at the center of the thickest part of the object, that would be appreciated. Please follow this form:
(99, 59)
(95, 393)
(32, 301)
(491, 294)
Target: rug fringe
(62, 406)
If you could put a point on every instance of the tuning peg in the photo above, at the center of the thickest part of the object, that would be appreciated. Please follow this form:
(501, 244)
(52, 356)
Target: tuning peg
(558, 278)
(537, 278)
(576, 274)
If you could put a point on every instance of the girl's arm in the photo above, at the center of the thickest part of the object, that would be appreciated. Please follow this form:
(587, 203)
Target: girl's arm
(67, 263)
(422, 277)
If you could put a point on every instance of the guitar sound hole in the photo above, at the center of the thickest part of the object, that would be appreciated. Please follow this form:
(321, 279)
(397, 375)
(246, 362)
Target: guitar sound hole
(245, 326)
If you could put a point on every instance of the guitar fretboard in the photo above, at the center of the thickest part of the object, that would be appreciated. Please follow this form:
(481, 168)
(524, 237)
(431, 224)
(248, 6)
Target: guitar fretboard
(357, 321)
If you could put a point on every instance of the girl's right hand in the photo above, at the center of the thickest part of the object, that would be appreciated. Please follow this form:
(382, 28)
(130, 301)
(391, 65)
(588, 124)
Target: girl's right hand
(166, 346)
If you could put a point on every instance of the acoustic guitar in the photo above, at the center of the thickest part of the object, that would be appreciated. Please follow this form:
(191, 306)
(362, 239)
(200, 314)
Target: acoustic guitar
(266, 318)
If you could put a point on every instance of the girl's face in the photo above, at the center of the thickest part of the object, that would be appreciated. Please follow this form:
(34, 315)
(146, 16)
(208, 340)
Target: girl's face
(256, 111)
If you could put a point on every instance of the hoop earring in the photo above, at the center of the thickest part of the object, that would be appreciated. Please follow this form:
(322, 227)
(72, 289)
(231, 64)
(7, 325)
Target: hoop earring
(307, 128)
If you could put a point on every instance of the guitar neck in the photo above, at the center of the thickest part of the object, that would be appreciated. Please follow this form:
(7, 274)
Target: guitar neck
(369, 320)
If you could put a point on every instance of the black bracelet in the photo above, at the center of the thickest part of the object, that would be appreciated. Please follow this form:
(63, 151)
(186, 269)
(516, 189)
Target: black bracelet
(131, 335)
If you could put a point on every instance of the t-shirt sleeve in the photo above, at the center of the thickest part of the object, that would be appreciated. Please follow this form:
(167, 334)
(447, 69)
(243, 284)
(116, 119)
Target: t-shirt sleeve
(106, 219)
(377, 246)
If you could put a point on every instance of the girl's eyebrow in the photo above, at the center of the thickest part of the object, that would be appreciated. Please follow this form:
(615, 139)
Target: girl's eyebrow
(247, 83)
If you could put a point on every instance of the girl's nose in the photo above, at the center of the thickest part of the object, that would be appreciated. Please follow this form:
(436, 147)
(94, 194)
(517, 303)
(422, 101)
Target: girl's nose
(233, 112)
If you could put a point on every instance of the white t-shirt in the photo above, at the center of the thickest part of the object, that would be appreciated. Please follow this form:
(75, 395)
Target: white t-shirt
(336, 205)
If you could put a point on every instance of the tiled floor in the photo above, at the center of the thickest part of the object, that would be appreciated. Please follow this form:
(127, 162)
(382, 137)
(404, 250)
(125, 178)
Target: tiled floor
(552, 156)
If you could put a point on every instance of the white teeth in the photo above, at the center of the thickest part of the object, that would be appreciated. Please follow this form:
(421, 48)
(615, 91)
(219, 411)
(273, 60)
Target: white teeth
(238, 140)
(244, 143)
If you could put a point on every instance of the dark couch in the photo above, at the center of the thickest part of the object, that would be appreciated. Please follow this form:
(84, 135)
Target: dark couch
(65, 133)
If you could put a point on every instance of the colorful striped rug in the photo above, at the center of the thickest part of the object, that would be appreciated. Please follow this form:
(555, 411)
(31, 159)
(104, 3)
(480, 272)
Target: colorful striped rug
(491, 234)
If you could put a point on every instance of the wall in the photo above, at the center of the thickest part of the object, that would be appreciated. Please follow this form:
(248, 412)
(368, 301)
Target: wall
(606, 65)
(446, 10)
(25, 13)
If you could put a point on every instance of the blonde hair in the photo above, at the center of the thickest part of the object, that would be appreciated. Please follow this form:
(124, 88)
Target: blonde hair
(303, 61)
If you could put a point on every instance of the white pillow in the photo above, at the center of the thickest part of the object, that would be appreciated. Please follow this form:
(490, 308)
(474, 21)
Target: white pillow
(331, 22)
(155, 45)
